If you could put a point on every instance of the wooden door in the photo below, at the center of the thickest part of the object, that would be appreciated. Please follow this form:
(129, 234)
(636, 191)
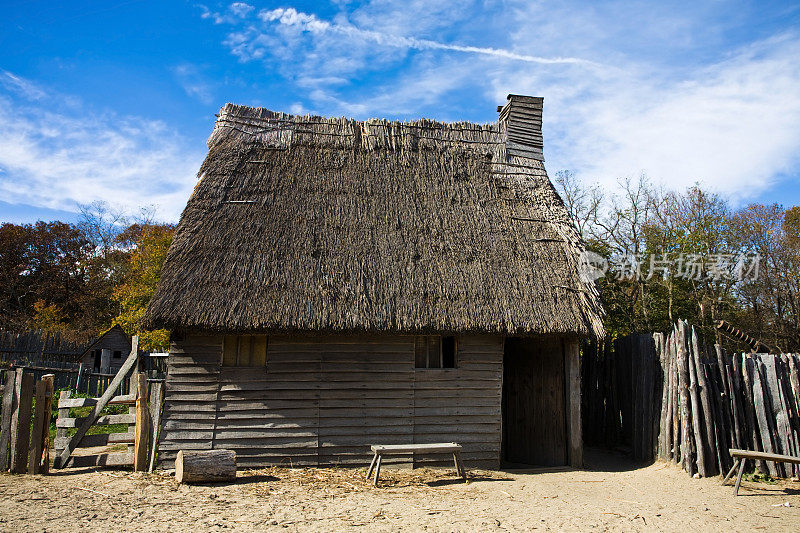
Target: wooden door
(534, 415)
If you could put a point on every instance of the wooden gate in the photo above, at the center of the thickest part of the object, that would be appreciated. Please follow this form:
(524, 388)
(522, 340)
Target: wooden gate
(138, 420)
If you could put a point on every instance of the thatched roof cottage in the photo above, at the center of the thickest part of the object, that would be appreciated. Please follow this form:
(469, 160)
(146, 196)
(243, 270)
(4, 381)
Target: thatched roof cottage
(335, 283)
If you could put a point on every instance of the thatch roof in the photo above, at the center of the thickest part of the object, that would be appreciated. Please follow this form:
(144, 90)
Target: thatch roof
(332, 224)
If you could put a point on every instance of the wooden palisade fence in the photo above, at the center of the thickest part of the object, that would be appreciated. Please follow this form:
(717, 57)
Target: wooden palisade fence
(82, 379)
(670, 397)
(714, 402)
(621, 382)
(35, 346)
(22, 451)
(24, 443)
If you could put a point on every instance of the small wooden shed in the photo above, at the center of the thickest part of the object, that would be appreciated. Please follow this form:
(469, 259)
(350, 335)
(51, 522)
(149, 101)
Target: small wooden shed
(336, 283)
(106, 353)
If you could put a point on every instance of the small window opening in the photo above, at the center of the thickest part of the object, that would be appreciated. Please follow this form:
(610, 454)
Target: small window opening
(244, 350)
(117, 354)
(435, 351)
(448, 352)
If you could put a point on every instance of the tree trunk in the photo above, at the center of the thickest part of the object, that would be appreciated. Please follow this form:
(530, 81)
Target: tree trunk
(200, 466)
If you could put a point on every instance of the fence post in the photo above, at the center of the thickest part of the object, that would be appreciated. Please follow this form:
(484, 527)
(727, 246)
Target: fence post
(9, 406)
(61, 433)
(142, 431)
(79, 379)
(156, 396)
(40, 460)
(21, 423)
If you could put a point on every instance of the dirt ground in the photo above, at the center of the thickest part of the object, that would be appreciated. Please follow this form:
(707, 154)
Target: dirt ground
(613, 494)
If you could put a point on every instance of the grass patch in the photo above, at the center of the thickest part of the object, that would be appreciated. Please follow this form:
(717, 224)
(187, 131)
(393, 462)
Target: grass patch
(758, 477)
(78, 412)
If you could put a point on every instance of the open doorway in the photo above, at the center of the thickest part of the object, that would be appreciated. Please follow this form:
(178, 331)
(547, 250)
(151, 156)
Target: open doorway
(534, 413)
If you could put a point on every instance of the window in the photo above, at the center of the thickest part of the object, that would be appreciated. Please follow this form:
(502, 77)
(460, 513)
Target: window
(435, 351)
(244, 350)
(117, 354)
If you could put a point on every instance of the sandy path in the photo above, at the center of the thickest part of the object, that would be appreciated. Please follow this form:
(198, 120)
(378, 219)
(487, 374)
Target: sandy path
(613, 495)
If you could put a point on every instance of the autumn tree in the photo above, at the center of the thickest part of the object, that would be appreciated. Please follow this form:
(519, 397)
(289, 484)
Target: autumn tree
(146, 258)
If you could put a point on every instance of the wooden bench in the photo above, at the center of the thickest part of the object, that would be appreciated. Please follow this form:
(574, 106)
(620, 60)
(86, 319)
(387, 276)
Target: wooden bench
(401, 449)
(742, 456)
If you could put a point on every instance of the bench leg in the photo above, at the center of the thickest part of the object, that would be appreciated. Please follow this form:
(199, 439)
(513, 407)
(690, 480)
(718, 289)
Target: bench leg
(727, 477)
(459, 466)
(739, 477)
(372, 465)
(377, 470)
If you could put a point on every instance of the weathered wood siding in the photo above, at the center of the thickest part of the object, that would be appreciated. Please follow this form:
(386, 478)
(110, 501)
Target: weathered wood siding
(324, 399)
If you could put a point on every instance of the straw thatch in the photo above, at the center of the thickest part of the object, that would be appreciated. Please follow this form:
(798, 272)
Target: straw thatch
(310, 223)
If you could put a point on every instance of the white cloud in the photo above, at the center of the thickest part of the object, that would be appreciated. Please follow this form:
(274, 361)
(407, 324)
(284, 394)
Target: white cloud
(193, 82)
(57, 158)
(310, 23)
(731, 126)
(235, 12)
(20, 86)
(675, 93)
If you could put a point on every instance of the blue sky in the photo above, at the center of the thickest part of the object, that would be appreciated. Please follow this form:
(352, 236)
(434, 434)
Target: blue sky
(114, 100)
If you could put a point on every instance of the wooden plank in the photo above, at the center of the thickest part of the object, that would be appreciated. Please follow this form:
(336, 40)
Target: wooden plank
(102, 439)
(749, 454)
(130, 362)
(776, 407)
(20, 448)
(63, 412)
(15, 417)
(156, 398)
(9, 406)
(103, 420)
(694, 395)
(687, 455)
(142, 432)
(437, 447)
(746, 371)
(104, 459)
(705, 403)
(127, 399)
(573, 384)
(791, 398)
(763, 419)
(39, 462)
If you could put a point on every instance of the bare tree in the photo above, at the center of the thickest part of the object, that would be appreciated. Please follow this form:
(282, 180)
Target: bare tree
(583, 203)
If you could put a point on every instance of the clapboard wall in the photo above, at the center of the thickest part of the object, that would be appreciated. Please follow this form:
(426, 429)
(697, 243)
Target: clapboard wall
(322, 399)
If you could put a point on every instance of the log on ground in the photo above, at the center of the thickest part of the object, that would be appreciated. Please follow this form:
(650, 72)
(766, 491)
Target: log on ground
(203, 466)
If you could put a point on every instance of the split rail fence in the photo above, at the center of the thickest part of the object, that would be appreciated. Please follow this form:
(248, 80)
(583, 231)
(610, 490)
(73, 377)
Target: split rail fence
(669, 397)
